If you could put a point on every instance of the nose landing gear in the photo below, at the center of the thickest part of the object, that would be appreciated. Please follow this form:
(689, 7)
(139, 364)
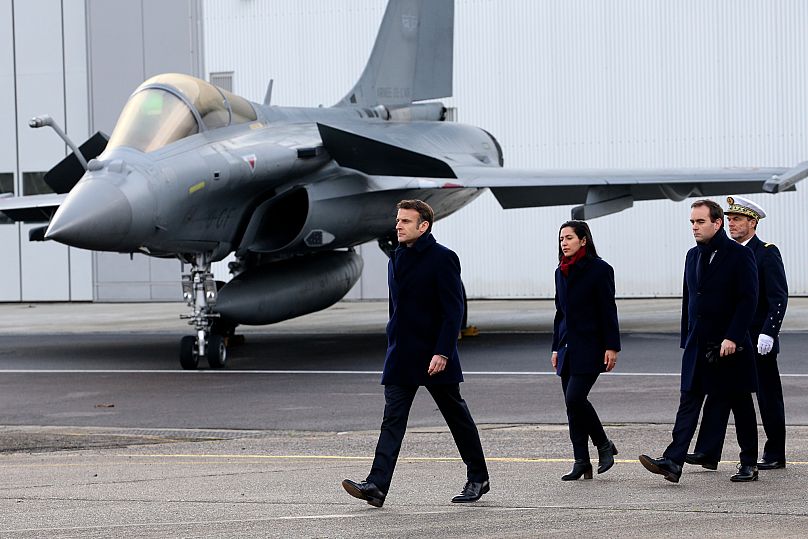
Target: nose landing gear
(200, 293)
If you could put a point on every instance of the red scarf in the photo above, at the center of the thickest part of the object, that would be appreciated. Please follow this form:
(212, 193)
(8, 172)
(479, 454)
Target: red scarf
(568, 261)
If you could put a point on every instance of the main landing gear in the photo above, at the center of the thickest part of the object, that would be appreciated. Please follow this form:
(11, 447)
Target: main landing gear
(200, 292)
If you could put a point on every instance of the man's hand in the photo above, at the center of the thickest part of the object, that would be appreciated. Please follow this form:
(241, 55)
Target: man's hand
(764, 344)
(727, 348)
(610, 359)
(438, 364)
(554, 360)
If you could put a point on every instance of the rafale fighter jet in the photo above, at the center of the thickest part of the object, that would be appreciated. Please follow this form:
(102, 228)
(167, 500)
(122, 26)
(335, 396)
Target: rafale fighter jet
(194, 172)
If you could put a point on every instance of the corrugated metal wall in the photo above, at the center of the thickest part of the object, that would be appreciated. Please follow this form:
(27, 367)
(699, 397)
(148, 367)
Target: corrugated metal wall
(571, 84)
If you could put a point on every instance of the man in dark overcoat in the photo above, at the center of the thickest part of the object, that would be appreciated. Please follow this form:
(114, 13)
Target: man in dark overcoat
(719, 296)
(743, 216)
(426, 310)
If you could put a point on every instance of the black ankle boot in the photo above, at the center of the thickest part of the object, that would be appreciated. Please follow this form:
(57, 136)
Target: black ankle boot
(580, 468)
(606, 453)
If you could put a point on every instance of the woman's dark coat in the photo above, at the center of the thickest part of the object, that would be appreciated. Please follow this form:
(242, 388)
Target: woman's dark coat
(585, 323)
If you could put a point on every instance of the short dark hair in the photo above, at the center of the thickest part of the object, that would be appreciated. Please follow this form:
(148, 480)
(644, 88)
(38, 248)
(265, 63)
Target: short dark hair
(716, 212)
(424, 210)
(581, 230)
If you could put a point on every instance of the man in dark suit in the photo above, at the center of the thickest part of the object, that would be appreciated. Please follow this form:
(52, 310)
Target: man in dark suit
(426, 309)
(743, 216)
(718, 301)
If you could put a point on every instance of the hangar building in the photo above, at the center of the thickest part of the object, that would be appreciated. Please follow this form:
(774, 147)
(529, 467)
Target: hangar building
(561, 84)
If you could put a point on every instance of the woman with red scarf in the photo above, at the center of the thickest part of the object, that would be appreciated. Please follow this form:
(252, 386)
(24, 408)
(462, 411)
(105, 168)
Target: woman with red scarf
(586, 340)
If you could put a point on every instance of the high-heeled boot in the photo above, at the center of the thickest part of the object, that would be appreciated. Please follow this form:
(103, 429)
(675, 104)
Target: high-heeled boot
(606, 453)
(580, 468)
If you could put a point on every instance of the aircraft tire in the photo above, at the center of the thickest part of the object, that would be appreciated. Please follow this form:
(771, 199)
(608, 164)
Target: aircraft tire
(217, 352)
(189, 359)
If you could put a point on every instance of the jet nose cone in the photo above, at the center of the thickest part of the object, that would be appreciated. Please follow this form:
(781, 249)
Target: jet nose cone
(95, 215)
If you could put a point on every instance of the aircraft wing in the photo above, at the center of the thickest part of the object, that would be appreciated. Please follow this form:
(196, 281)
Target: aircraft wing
(31, 208)
(437, 156)
(601, 192)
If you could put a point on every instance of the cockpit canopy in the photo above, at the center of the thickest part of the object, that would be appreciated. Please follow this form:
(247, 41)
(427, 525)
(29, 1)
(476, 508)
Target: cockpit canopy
(170, 107)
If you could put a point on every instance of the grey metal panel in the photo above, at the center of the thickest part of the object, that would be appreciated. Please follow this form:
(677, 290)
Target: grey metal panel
(81, 274)
(8, 150)
(168, 34)
(115, 30)
(77, 120)
(10, 267)
(40, 88)
(44, 267)
(141, 278)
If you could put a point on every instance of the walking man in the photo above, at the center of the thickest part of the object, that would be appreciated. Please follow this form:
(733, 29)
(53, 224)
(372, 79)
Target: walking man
(743, 217)
(426, 309)
(718, 302)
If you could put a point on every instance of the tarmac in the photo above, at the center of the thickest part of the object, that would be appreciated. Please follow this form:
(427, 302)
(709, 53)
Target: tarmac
(660, 315)
(168, 482)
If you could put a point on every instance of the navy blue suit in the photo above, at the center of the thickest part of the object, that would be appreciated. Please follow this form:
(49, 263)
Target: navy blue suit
(426, 309)
(585, 326)
(768, 317)
(719, 296)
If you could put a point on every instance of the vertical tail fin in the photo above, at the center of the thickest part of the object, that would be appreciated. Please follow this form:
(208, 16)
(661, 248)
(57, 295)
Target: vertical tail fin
(412, 57)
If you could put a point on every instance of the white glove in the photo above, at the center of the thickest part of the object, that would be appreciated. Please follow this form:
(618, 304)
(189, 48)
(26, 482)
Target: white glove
(765, 344)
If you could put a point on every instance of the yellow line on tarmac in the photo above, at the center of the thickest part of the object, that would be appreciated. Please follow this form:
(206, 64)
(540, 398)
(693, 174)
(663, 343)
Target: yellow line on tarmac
(203, 458)
(369, 458)
(350, 458)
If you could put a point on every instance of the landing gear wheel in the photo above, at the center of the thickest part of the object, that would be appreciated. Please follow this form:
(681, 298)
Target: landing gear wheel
(217, 352)
(189, 359)
(227, 330)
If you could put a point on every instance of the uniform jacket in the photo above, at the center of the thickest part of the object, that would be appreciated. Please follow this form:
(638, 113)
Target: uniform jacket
(716, 306)
(772, 292)
(585, 324)
(426, 309)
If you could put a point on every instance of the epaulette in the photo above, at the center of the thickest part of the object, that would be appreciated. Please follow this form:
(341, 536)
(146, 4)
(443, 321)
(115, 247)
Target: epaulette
(769, 245)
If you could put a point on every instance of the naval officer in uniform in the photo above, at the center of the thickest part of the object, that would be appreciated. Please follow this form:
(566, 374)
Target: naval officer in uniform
(743, 216)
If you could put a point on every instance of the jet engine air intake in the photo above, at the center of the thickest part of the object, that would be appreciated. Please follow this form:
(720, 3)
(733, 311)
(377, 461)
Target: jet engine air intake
(276, 222)
(306, 218)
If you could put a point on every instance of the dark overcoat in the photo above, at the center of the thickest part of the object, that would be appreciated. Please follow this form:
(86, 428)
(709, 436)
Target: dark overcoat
(585, 324)
(426, 309)
(772, 292)
(719, 305)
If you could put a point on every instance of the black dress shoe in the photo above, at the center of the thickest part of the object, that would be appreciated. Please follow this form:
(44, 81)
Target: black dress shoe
(662, 466)
(472, 492)
(764, 464)
(364, 491)
(700, 459)
(745, 473)
(606, 454)
(580, 468)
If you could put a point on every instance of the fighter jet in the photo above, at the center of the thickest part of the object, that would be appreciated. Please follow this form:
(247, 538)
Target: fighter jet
(194, 172)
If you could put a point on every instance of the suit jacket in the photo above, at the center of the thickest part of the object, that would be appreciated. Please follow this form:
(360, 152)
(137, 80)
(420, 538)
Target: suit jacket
(585, 324)
(772, 292)
(719, 305)
(426, 309)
